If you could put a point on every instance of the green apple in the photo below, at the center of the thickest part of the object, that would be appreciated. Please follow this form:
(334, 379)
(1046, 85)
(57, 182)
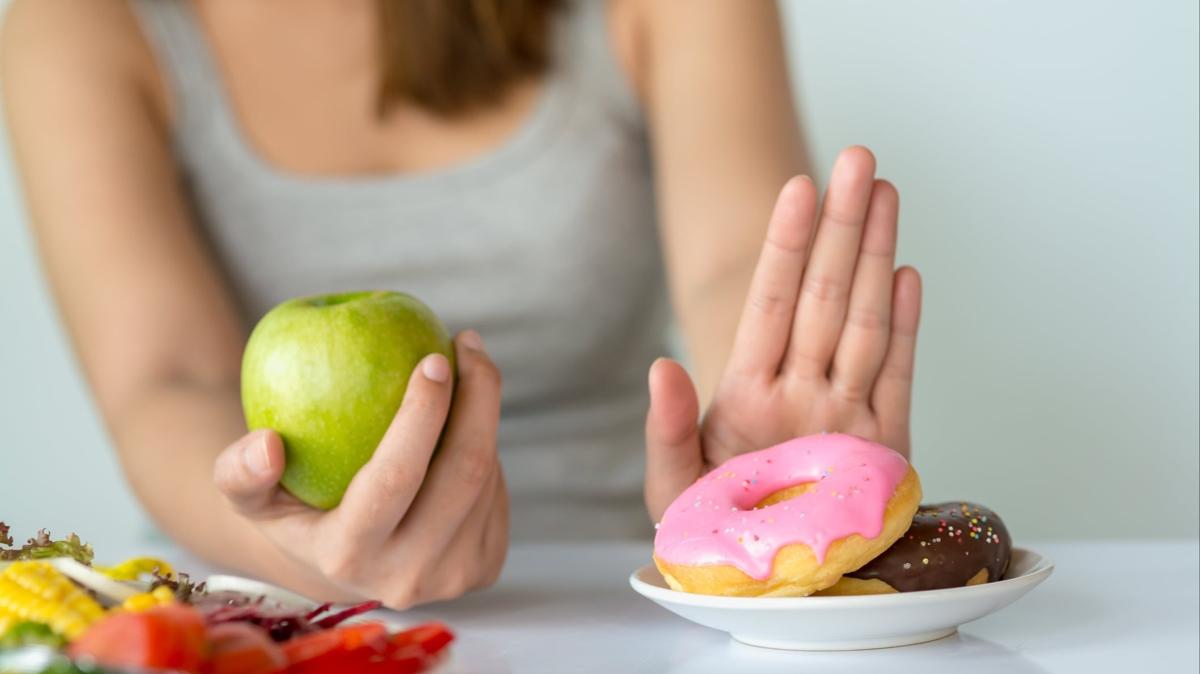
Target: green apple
(328, 373)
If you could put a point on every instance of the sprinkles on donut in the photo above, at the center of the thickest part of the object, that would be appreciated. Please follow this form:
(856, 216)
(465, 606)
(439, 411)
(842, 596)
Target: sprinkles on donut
(948, 545)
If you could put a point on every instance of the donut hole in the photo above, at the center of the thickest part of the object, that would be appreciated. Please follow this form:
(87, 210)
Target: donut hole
(785, 494)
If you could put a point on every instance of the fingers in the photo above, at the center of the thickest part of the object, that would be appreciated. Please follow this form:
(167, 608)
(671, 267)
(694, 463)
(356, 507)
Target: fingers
(766, 323)
(467, 559)
(247, 472)
(383, 489)
(467, 460)
(494, 546)
(893, 390)
(826, 284)
(470, 558)
(673, 454)
(864, 338)
(412, 533)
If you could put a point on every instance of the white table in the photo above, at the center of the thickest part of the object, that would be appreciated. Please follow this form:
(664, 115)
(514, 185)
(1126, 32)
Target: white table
(569, 608)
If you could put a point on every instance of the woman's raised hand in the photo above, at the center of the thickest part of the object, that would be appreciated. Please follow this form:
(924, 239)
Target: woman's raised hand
(412, 527)
(825, 343)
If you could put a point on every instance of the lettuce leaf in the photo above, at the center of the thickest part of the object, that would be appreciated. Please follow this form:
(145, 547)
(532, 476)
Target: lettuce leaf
(42, 546)
(31, 633)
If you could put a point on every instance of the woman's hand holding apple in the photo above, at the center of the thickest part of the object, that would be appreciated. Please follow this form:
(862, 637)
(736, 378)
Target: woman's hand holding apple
(412, 527)
(825, 343)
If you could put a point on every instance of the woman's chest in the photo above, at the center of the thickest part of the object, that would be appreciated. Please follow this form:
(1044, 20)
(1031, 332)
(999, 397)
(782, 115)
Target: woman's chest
(301, 80)
(548, 248)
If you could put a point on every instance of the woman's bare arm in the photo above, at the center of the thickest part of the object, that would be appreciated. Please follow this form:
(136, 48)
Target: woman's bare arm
(725, 140)
(153, 325)
(160, 341)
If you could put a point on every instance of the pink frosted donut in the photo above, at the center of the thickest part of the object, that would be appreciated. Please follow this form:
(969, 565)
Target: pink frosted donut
(788, 520)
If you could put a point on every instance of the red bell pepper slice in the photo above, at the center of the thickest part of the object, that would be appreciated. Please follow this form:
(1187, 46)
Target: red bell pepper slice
(430, 637)
(365, 648)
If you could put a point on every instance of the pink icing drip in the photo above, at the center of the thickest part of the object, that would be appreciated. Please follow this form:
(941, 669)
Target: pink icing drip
(713, 521)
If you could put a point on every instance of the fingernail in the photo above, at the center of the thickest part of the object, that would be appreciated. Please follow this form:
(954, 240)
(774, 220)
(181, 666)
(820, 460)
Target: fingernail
(436, 368)
(650, 372)
(255, 456)
(471, 339)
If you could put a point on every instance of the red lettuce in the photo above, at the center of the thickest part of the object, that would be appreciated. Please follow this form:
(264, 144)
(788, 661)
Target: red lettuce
(280, 623)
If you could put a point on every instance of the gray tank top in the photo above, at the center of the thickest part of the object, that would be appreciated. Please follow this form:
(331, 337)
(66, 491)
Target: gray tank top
(547, 246)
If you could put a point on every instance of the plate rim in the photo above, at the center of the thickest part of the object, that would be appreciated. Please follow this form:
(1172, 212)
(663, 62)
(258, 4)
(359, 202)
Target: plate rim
(1041, 569)
(252, 587)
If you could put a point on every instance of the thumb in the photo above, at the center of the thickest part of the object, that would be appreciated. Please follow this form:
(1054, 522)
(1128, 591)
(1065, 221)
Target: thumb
(248, 471)
(673, 456)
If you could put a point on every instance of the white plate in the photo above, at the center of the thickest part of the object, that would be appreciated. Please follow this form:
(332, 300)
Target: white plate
(847, 623)
(255, 588)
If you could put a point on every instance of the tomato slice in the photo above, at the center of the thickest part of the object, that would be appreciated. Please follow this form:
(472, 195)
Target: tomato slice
(242, 648)
(165, 637)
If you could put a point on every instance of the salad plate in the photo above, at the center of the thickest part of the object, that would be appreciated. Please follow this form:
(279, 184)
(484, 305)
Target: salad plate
(63, 613)
(849, 622)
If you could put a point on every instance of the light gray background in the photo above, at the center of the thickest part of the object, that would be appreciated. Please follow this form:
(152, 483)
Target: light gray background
(1047, 159)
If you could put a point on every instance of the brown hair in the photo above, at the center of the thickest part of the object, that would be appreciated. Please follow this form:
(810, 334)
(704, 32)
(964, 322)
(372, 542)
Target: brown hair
(453, 56)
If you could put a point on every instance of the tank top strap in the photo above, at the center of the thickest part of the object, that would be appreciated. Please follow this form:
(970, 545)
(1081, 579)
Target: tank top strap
(174, 33)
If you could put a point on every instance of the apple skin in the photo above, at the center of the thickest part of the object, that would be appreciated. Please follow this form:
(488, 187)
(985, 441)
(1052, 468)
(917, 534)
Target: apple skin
(327, 373)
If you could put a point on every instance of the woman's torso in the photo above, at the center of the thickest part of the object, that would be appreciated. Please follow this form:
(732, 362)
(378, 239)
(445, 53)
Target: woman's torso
(544, 240)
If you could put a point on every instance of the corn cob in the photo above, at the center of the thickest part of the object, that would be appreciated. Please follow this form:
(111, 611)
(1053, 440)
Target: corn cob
(32, 590)
(159, 596)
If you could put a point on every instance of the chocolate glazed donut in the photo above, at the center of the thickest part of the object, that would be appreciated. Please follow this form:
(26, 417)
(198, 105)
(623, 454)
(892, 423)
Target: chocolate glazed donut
(948, 545)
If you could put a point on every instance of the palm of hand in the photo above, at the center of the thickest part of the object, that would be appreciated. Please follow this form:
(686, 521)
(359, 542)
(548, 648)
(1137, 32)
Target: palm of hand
(825, 343)
(747, 415)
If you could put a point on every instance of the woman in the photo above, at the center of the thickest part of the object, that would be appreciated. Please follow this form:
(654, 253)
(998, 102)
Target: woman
(187, 165)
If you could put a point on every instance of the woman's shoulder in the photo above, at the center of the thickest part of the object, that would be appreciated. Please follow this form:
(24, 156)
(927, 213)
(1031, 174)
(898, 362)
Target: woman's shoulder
(68, 28)
(75, 43)
(637, 29)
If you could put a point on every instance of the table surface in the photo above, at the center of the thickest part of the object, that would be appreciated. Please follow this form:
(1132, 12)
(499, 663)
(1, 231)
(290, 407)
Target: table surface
(1109, 606)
